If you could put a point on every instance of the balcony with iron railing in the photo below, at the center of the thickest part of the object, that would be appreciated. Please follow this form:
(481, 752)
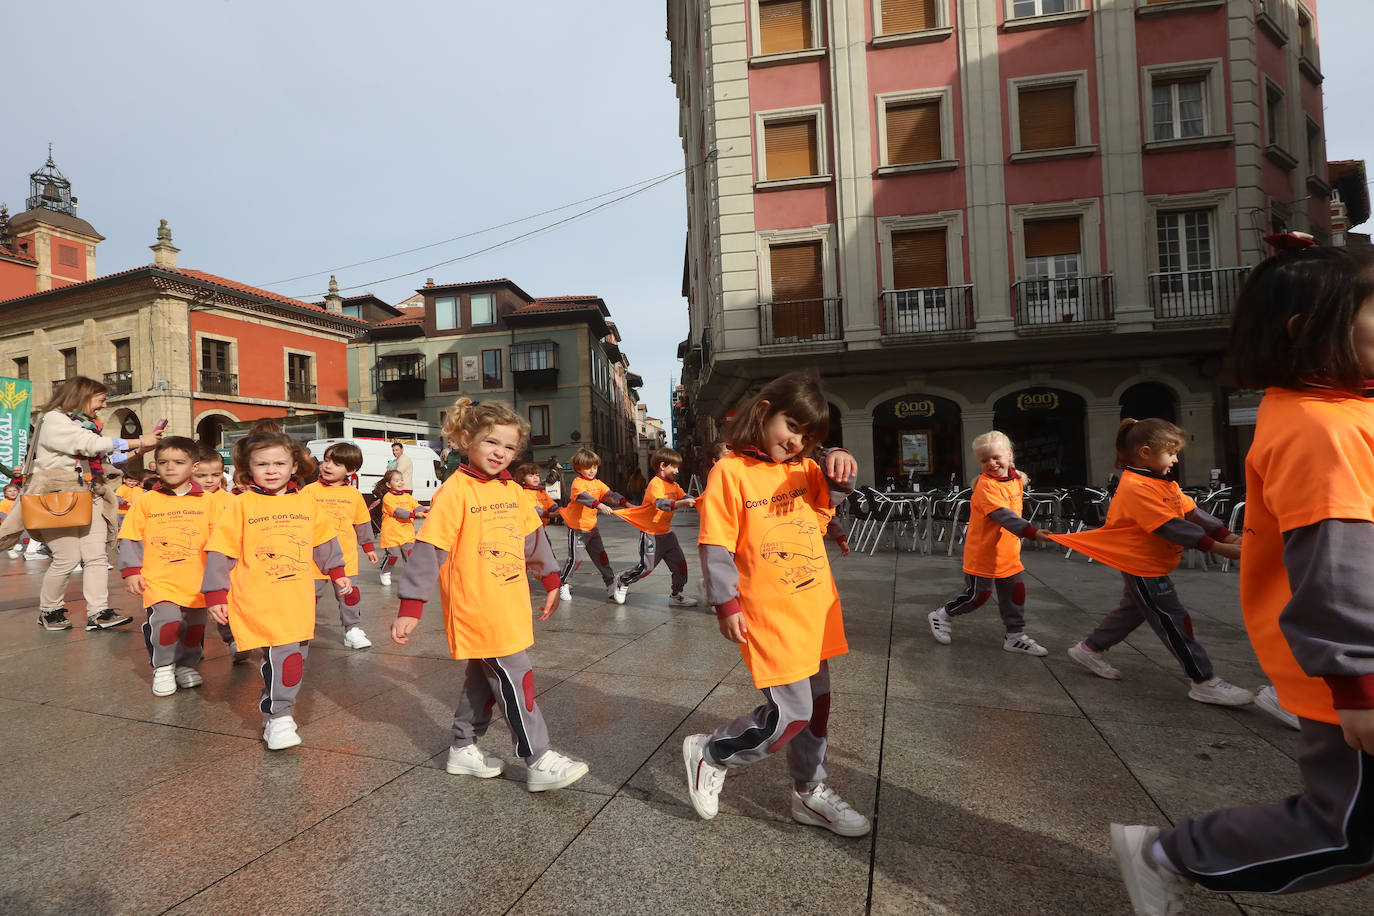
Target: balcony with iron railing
(212, 381)
(800, 321)
(300, 392)
(400, 377)
(1062, 303)
(534, 365)
(119, 382)
(1196, 295)
(929, 311)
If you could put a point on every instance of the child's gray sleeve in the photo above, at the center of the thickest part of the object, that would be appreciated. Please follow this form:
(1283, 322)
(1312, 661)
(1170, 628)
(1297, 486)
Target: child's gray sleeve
(363, 532)
(719, 573)
(130, 554)
(217, 570)
(1329, 622)
(1207, 522)
(420, 576)
(328, 555)
(587, 499)
(839, 489)
(539, 559)
(1184, 533)
(1014, 523)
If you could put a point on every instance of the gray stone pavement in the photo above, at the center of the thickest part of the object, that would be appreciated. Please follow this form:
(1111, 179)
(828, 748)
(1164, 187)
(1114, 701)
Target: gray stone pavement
(991, 777)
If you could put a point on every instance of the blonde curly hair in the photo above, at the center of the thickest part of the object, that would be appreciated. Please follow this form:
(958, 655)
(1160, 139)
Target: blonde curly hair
(473, 420)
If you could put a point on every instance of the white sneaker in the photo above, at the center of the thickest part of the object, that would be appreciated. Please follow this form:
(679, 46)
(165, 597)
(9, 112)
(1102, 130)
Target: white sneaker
(681, 601)
(1154, 890)
(617, 592)
(1267, 700)
(386, 578)
(1220, 693)
(471, 761)
(280, 733)
(355, 638)
(564, 593)
(939, 626)
(823, 807)
(164, 681)
(188, 677)
(1020, 642)
(554, 771)
(704, 779)
(1094, 662)
(16, 552)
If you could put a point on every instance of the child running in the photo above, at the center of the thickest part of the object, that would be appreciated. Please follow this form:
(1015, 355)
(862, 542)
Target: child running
(209, 476)
(1150, 523)
(399, 512)
(528, 476)
(162, 558)
(259, 571)
(769, 580)
(654, 519)
(481, 536)
(1304, 332)
(352, 526)
(6, 504)
(586, 497)
(992, 548)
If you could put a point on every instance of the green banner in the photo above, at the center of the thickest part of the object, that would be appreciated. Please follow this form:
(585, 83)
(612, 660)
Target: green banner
(16, 397)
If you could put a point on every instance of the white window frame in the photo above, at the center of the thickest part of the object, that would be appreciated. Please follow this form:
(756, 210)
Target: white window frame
(1214, 132)
(761, 119)
(933, 312)
(1190, 289)
(945, 96)
(1225, 250)
(457, 313)
(472, 316)
(1089, 215)
(1076, 10)
(941, 29)
(768, 238)
(286, 354)
(1082, 119)
(758, 58)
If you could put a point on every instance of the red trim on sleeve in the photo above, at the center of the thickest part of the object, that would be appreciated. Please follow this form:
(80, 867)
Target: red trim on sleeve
(218, 596)
(336, 573)
(729, 609)
(1030, 533)
(1352, 692)
(411, 607)
(1221, 533)
(843, 542)
(551, 582)
(131, 571)
(369, 547)
(1205, 543)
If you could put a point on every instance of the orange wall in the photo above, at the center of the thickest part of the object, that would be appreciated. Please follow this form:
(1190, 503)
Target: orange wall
(262, 364)
(17, 279)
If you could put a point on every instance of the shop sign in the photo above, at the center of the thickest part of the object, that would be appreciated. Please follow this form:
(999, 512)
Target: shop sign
(913, 408)
(916, 453)
(1037, 400)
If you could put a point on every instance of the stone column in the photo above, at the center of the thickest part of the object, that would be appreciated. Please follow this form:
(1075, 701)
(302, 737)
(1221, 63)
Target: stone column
(1103, 419)
(975, 421)
(1197, 415)
(857, 428)
(164, 252)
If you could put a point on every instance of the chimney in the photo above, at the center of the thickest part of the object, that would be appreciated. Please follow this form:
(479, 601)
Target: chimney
(333, 302)
(164, 252)
(429, 282)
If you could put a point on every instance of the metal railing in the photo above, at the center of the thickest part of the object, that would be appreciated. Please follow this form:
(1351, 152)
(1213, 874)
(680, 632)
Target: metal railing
(933, 310)
(1061, 301)
(215, 382)
(1197, 294)
(120, 382)
(800, 321)
(300, 391)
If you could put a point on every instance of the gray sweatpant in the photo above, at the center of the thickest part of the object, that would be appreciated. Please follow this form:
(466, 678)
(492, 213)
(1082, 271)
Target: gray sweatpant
(391, 555)
(174, 635)
(282, 669)
(588, 544)
(1322, 836)
(653, 549)
(349, 616)
(796, 716)
(509, 681)
(1011, 599)
(1152, 599)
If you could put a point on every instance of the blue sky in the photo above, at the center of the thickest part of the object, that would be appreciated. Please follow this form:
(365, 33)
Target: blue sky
(285, 138)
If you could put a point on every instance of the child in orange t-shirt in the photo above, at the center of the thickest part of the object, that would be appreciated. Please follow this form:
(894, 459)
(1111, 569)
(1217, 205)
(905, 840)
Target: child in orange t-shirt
(586, 497)
(399, 512)
(992, 548)
(654, 517)
(528, 476)
(259, 569)
(335, 495)
(768, 577)
(162, 558)
(1304, 332)
(481, 536)
(1149, 525)
(209, 476)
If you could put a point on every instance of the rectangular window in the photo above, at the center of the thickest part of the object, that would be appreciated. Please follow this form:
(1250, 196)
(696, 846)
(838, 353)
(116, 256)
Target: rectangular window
(445, 313)
(920, 259)
(1184, 243)
(1306, 46)
(913, 132)
(1020, 9)
(790, 149)
(299, 386)
(67, 255)
(69, 363)
(483, 309)
(1274, 117)
(491, 368)
(21, 367)
(534, 356)
(1316, 151)
(1178, 109)
(908, 16)
(353, 311)
(1053, 263)
(1047, 117)
(122, 354)
(449, 368)
(214, 355)
(798, 307)
(784, 25)
(539, 424)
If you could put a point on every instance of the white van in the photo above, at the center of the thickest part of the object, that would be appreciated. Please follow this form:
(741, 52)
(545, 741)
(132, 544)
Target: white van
(377, 452)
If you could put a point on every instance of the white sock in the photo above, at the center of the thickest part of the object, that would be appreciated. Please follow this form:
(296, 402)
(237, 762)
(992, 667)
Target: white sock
(1162, 859)
(942, 614)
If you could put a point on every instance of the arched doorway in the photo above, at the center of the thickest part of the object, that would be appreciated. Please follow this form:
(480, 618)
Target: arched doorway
(1149, 399)
(210, 430)
(126, 424)
(917, 437)
(1047, 430)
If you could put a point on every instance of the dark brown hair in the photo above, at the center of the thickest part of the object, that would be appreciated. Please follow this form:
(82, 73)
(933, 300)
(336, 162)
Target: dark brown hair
(245, 447)
(189, 447)
(799, 395)
(664, 455)
(525, 470)
(1295, 318)
(585, 458)
(346, 454)
(210, 456)
(1159, 435)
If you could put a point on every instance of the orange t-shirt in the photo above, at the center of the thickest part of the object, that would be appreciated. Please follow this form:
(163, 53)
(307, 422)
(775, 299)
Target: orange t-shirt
(174, 530)
(766, 514)
(5, 506)
(1127, 541)
(646, 517)
(990, 550)
(219, 499)
(486, 598)
(345, 508)
(1312, 459)
(578, 516)
(544, 501)
(272, 586)
(128, 495)
(397, 531)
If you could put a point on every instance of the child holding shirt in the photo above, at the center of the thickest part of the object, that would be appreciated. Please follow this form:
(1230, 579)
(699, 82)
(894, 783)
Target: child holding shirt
(768, 577)
(259, 571)
(352, 526)
(992, 548)
(654, 517)
(1304, 332)
(1150, 523)
(481, 536)
(209, 476)
(162, 558)
(586, 497)
(528, 475)
(399, 511)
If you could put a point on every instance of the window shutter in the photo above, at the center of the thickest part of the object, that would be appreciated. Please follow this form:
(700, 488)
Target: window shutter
(784, 25)
(919, 259)
(913, 132)
(1047, 118)
(798, 285)
(908, 16)
(790, 149)
(1048, 237)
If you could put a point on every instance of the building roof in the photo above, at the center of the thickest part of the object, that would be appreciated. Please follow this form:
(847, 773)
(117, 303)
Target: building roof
(402, 319)
(634, 380)
(499, 281)
(17, 258)
(54, 218)
(1347, 176)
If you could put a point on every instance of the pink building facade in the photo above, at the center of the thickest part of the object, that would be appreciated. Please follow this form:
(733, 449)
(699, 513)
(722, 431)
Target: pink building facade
(1029, 215)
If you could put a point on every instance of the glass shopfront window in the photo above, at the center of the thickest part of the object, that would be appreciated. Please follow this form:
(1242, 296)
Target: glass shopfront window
(917, 441)
(1047, 431)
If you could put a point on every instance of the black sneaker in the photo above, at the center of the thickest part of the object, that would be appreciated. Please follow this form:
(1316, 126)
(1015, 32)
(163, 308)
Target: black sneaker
(56, 619)
(106, 619)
